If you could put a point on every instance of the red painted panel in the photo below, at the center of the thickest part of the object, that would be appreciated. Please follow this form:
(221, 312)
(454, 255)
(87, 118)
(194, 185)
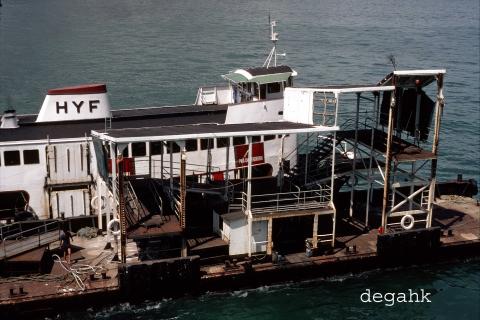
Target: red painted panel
(241, 154)
(218, 176)
(81, 89)
(128, 166)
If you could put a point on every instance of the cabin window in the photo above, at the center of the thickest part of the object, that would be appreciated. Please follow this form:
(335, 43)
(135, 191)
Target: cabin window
(238, 141)
(139, 149)
(206, 144)
(256, 139)
(174, 146)
(31, 157)
(125, 152)
(263, 91)
(280, 136)
(191, 145)
(222, 142)
(273, 87)
(11, 158)
(156, 147)
(55, 158)
(268, 137)
(68, 160)
(81, 157)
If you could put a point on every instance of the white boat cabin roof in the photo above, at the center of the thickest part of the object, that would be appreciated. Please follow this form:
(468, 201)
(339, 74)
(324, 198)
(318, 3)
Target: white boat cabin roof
(207, 130)
(261, 75)
(29, 130)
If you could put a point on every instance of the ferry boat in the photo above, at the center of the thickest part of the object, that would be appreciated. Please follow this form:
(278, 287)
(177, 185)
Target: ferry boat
(47, 160)
(255, 162)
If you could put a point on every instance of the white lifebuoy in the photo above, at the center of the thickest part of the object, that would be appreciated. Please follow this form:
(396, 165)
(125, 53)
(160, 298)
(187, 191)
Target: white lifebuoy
(111, 229)
(94, 202)
(410, 220)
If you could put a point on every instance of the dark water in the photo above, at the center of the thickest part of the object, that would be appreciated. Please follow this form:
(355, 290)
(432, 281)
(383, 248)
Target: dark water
(157, 52)
(454, 293)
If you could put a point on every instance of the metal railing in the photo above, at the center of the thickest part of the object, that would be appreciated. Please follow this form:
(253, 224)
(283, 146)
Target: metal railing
(288, 201)
(30, 239)
(163, 171)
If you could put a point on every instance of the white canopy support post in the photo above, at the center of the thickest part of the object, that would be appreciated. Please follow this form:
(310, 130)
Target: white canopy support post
(388, 158)
(183, 187)
(439, 105)
(108, 205)
(113, 159)
(149, 152)
(99, 202)
(269, 236)
(209, 159)
(121, 196)
(171, 165)
(183, 197)
(249, 195)
(162, 152)
(354, 166)
(332, 181)
(315, 232)
(227, 165)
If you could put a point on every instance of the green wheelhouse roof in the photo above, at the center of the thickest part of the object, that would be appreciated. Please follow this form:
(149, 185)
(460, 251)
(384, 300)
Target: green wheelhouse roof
(261, 75)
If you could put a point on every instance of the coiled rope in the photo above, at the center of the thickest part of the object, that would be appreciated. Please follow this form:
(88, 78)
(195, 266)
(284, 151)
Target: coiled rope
(78, 270)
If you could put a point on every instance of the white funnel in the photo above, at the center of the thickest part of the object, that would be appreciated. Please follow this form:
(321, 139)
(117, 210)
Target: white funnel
(75, 103)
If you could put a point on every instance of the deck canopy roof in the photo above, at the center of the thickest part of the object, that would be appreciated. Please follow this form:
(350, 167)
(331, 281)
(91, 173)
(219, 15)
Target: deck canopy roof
(344, 89)
(261, 75)
(412, 78)
(207, 130)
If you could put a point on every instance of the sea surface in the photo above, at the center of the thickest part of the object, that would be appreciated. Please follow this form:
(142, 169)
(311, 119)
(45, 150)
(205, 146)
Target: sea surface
(157, 52)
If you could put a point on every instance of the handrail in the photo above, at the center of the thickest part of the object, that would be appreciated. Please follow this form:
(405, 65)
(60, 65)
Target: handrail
(285, 201)
(31, 232)
(20, 227)
(167, 163)
(28, 230)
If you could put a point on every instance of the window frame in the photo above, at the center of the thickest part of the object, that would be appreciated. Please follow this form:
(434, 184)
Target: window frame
(7, 164)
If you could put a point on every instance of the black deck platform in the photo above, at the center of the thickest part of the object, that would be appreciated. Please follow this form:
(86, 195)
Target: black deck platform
(402, 151)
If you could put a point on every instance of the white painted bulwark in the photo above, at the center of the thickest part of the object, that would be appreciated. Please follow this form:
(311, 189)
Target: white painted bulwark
(28, 177)
(298, 106)
(70, 203)
(214, 95)
(235, 231)
(253, 112)
(68, 163)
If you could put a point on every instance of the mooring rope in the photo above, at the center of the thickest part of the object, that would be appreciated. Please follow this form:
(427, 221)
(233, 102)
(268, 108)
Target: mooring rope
(78, 270)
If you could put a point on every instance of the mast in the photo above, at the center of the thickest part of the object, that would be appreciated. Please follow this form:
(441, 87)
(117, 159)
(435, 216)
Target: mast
(273, 53)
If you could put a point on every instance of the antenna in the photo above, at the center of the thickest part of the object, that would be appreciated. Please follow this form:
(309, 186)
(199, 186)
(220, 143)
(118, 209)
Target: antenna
(274, 38)
(391, 58)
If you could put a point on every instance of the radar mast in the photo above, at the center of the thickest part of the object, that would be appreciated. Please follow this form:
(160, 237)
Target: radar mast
(273, 53)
